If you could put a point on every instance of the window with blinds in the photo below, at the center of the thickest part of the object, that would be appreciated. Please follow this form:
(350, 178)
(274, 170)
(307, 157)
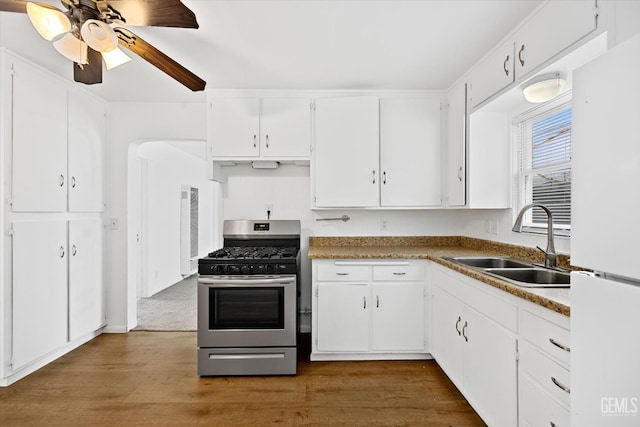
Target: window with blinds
(544, 167)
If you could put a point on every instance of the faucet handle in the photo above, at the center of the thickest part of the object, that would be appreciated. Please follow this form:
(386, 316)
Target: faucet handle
(541, 250)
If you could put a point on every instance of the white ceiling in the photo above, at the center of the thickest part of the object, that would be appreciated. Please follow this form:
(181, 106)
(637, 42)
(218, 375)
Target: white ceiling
(300, 44)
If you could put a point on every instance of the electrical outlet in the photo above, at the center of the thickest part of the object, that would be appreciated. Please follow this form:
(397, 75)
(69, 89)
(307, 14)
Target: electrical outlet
(268, 210)
(384, 224)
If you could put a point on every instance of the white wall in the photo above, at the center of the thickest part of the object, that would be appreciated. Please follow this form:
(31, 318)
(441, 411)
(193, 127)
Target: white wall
(130, 123)
(168, 168)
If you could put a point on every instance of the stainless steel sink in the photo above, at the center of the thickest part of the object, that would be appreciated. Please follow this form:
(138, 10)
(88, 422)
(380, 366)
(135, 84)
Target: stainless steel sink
(532, 277)
(490, 262)
(516, 271)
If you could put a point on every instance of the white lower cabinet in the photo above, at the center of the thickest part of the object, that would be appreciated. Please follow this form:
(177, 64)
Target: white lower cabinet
(368, 309)
(475, 344)
(544, 374)
(65, 302)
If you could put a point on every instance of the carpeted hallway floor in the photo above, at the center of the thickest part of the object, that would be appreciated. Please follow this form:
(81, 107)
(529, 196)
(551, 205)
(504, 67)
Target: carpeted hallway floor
(174, 309)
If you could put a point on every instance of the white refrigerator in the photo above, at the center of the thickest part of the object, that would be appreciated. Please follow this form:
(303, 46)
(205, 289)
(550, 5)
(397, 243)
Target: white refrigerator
(605, 237)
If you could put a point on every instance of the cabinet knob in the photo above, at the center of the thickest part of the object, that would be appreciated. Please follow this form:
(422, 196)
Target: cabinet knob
(504, 65)
(520, 55)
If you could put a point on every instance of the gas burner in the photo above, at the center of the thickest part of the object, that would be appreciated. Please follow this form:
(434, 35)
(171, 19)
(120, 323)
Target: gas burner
(253, 252)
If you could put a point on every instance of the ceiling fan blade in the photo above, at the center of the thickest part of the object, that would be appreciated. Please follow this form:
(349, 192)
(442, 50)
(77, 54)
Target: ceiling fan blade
(13, 6)
(152, 55)
(154, 13)
(90, 73)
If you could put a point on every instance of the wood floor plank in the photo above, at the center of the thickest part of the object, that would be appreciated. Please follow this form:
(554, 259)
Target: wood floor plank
(149, 378)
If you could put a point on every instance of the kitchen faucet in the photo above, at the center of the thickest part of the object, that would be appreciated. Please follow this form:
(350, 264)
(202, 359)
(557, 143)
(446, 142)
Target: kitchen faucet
(550, 253)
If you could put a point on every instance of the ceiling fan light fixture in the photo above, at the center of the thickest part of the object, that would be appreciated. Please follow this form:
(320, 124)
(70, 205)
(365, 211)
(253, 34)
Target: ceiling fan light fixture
(72, 48)
(99, 36)
(49, 21)
(114, 58)
(544, 87)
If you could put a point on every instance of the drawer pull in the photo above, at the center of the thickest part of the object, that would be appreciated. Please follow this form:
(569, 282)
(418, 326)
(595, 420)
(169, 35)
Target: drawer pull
(342, 274)
(402, 273)
(457, 323)
(364, 301)
(560, 386)
(377, 301)
(557, 344)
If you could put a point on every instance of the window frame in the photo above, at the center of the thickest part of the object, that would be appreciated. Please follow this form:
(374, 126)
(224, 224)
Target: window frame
(520, 193)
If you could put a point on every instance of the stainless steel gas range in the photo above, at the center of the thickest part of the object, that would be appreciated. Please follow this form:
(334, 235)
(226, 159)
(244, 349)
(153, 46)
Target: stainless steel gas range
(248, 300)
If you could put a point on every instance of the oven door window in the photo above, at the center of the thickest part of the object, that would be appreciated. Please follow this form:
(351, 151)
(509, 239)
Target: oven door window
(246, 308)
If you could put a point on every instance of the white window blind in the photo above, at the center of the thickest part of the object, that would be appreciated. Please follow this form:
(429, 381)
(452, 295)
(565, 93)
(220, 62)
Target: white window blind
(544, 166)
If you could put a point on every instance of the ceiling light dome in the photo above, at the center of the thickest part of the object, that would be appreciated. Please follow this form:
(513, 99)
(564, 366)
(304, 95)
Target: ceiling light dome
(544, 87)
(98, 35)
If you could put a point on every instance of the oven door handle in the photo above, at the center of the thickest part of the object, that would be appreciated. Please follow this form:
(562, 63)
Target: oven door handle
(260, 281)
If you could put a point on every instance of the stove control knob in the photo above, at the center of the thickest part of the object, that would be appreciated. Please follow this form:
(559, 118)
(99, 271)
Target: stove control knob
(260, 269)
(272, 268)
(246, 269)
(218, 269)
(282, 269)
(233, 269)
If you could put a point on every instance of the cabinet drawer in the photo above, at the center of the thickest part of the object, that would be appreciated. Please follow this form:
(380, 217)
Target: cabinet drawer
(547, 336)
(547, 373)
(538, 408)
(410, 271)
(332, 272)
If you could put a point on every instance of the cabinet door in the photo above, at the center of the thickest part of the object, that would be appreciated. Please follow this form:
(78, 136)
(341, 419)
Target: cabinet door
(39, 289)
(410, 152)
(346, 152)
(343, 317)
(491, 75)
(234, 127)
(447, 334)
(456, 146)
(39, 146)
(398, 316)
(86, 295)
(86, 136)
(555, 27)
(490, 364)
(285, 127)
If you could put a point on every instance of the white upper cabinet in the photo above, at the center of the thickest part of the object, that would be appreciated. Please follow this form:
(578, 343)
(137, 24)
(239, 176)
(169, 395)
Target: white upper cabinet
(492, 74)
(86, 136)
(255, 128)
(552, 29)
(456, 146)
(39, 146)
(410, 152)
(285, 127)
(57, 144)
(346, 161)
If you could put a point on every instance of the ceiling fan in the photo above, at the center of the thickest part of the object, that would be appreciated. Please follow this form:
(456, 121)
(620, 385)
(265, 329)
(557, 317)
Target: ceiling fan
(89, 32)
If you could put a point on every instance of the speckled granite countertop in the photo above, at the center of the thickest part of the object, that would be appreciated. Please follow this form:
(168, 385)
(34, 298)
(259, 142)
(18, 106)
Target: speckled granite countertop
(434, 248)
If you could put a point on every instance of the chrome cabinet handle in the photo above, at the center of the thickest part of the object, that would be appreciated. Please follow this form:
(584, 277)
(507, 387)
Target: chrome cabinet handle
(460, 174)
(254, 142)
(504, 65)
(342, 274)
(374, 176)
(399, 273)
(364, 301)
(560, 386)
(267, 138)
(73, 182)
(384, 177)
(74, 250)
(61, 251)
(520, 55)
(557, 344)
(457, 323)
(377, 301)
(464, 331)
(61, 180)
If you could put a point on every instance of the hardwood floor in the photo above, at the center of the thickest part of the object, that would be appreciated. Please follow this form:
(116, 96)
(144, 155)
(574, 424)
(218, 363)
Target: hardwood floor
(149, 378)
